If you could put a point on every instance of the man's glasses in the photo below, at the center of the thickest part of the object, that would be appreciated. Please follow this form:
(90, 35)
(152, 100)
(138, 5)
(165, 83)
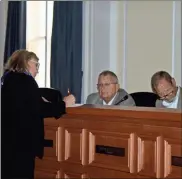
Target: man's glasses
(167, 95)
(106, 85)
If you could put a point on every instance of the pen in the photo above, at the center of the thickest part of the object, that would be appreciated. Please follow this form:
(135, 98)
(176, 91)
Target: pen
(68, 91)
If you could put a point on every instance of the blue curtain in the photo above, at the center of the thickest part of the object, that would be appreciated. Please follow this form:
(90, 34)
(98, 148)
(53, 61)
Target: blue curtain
(16, 28)
(66, 48)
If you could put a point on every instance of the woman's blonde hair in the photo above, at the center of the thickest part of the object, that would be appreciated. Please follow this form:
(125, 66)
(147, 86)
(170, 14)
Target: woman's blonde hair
(18, 61)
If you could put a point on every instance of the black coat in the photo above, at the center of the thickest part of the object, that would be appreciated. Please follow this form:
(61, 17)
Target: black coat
(22, 124)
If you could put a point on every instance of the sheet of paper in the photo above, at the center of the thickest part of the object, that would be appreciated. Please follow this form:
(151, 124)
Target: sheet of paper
(76, 105)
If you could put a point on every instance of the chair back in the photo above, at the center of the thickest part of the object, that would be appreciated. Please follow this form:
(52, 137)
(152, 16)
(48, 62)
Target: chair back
(144, 99)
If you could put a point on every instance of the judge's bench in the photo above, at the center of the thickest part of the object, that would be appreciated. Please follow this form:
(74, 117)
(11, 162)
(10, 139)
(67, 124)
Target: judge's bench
(93, 141)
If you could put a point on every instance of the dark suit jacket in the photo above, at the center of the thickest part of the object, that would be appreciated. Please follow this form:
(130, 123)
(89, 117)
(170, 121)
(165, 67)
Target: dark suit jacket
(22, 114)
(94, 98)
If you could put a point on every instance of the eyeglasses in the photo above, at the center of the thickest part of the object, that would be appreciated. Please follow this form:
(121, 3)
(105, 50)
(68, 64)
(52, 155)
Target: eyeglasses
(167, 95)
(101, 85)
(36, 63)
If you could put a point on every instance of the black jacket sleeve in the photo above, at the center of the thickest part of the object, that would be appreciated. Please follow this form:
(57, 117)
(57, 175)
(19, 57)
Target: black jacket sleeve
(52, 109)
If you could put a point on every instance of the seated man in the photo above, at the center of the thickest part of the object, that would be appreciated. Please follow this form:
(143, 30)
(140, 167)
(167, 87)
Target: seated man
(109, 92)
(165, 87)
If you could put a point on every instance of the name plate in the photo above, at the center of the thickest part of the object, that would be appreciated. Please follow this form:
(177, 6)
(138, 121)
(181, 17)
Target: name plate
(176, 161)
(108, 150)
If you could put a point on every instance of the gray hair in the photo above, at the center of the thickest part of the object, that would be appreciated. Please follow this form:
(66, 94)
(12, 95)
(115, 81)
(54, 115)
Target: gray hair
(158, 76)
(110, 73)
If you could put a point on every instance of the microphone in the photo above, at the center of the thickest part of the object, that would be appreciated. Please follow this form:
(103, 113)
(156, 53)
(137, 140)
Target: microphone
(123, 99)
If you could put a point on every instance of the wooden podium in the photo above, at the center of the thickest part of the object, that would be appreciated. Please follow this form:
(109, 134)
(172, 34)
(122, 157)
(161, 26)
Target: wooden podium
(95, 141)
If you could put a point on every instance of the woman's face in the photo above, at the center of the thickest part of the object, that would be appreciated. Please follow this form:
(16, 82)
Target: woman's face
(33, 67)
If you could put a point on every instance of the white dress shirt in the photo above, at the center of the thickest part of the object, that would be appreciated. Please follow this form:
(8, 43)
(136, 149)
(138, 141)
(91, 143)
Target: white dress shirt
(174, 103)
(110, 102)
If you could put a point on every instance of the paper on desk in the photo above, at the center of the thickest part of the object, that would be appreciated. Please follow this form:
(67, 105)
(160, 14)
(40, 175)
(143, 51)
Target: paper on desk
(75, 105)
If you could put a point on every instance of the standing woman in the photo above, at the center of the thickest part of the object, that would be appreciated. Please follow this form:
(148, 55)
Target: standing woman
(22, 127)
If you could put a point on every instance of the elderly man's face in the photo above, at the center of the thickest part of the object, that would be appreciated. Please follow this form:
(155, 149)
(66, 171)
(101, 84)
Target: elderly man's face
(166, 90)
(107, 87)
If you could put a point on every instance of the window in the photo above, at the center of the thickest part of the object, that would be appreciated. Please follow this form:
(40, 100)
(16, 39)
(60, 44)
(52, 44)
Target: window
(39, 30)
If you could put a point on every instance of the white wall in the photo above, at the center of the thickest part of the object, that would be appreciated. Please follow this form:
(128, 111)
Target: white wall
(3, 16)
(95, 42)
(132, 38)
(99, 41)
(177, 42)
(149, 42)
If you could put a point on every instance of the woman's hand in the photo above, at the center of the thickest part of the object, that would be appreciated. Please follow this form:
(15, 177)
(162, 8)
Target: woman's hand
(69, 100)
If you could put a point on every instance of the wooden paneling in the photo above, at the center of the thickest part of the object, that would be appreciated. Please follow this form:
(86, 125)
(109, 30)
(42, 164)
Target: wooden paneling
(112, 142)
